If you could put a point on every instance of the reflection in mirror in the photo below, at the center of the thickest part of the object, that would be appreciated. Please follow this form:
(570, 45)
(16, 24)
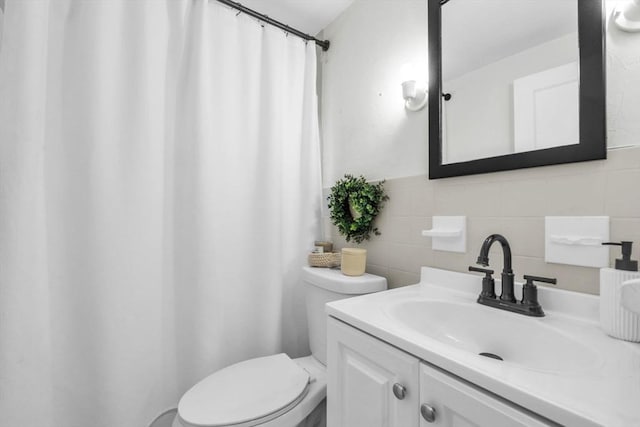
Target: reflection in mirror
(512, 68)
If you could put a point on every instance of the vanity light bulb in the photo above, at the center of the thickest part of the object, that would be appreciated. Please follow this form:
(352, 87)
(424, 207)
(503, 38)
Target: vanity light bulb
(409, 89)
(414, 94)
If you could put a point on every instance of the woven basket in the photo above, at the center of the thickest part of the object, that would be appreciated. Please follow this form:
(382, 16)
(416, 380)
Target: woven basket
(329, 259)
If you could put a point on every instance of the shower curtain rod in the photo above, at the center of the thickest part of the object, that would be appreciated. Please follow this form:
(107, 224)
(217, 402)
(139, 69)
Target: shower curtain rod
(324, 44)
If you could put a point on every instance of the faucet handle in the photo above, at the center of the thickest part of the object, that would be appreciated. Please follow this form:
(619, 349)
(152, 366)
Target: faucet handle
(531, 279)
(486, 271)
(530, 294)
(488, 284)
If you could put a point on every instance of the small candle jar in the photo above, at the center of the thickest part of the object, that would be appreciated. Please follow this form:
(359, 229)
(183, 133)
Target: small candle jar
(354, 261)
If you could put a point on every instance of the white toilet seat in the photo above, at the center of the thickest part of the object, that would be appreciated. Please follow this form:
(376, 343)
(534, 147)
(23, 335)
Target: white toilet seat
(246, 394)
(307, 404)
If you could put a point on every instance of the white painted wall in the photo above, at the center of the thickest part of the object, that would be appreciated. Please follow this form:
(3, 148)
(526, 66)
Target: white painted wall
(623, 84)
(309, 16)
(365, 128)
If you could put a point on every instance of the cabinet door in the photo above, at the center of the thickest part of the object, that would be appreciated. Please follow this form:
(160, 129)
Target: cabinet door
(362, 373)
(458, 404)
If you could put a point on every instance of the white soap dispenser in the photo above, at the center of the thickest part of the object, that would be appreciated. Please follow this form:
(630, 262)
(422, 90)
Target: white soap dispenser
(616, 320)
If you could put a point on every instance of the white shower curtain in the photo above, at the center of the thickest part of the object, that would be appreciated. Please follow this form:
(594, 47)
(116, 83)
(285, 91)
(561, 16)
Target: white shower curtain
(159, 186)
(1, 20)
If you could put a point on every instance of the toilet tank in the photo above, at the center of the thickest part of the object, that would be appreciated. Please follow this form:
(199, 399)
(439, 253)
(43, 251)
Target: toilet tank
(323, 285)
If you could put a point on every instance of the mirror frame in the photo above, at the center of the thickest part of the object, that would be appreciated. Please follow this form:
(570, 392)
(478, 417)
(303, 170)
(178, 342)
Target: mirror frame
(592, 146)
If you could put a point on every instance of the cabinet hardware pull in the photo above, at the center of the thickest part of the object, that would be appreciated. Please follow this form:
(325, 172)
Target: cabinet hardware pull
(428, 413)
(399, 391)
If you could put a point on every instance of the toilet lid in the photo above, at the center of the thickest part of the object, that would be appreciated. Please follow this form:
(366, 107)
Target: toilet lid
(246, 393)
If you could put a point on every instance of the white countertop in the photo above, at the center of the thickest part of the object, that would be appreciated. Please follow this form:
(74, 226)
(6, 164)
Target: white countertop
(606, 394)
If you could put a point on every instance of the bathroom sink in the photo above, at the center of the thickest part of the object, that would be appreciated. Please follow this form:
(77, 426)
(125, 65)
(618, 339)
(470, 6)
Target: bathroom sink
(561, 366)
(504, 337)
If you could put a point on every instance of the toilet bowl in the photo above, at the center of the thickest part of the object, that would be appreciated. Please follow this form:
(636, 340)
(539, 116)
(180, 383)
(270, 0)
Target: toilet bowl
(277, 391)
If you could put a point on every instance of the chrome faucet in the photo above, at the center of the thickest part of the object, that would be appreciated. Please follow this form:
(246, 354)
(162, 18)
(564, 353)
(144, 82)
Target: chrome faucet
(529, 304)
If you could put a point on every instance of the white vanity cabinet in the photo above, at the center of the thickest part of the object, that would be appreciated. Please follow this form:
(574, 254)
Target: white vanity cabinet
(451, 402)
(373, 384)
(370, 383)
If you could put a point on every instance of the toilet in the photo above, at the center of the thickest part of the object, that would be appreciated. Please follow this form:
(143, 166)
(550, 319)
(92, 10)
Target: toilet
(276, 391)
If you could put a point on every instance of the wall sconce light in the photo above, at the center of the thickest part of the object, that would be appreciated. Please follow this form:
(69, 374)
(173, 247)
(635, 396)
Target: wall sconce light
(626, 16)
(414, 94)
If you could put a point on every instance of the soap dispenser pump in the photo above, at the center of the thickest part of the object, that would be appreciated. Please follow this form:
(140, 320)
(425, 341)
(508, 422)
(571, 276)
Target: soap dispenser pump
(625, 263)
(616, 320)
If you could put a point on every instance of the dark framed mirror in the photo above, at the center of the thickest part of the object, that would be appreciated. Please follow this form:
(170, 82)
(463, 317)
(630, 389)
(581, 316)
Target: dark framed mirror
(550, 112)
